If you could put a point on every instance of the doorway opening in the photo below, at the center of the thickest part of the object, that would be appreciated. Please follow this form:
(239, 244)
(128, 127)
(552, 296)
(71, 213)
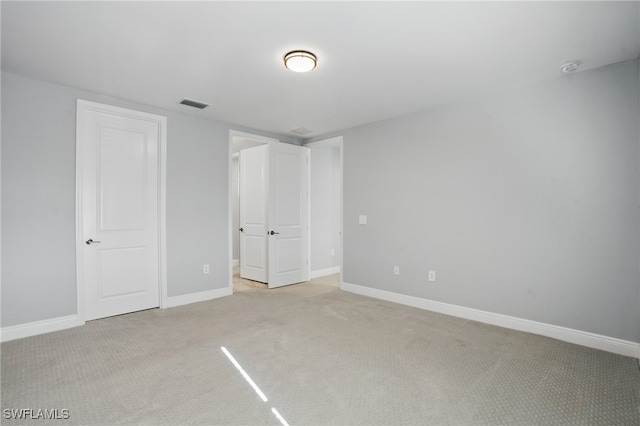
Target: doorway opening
(288, 259)
(237, 142)
(326, 209)
(274, 210)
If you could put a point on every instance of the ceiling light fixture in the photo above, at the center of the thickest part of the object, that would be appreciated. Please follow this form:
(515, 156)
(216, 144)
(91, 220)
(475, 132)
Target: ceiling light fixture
(300, 61)
(569, 67)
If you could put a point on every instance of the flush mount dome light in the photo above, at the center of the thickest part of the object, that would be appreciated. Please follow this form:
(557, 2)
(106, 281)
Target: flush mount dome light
(300, 61)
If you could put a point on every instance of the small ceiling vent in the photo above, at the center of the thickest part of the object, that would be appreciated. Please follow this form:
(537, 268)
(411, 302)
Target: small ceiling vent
(192, 103)
(569, 67)
(301, 131)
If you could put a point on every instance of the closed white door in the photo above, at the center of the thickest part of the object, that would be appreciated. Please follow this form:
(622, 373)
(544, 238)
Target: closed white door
(254, 164)
(288, 214)
(119, 253)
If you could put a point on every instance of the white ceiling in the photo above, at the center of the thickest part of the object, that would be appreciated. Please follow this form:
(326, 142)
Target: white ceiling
(376, 60)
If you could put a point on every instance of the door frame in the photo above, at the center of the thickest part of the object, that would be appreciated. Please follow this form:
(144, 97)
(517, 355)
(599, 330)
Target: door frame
(83, 106)
(337, 141)
(233, 134)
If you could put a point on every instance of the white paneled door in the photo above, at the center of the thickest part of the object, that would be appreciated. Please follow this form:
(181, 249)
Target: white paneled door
(119, 204)
(253, 164)
(274, 214)
(288, 208)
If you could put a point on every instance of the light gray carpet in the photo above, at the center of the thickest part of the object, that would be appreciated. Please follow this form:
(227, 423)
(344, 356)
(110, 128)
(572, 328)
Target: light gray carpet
(321, 356)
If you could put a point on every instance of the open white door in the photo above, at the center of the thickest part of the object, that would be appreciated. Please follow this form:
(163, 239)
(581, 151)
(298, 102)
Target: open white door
(253, 165)
(118, 183)
(288, 216)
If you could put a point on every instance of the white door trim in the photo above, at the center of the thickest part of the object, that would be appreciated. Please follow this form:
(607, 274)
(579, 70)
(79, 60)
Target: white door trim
(82, 107)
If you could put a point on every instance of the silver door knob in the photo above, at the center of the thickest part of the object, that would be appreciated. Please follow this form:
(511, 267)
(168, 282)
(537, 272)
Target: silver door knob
(90, 241)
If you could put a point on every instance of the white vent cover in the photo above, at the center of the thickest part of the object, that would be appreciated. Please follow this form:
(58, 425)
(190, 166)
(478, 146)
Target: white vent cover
(192, 103)
(569, 67)
(301, 131)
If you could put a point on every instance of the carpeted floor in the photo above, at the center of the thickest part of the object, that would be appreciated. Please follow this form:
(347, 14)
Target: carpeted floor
(321, 356)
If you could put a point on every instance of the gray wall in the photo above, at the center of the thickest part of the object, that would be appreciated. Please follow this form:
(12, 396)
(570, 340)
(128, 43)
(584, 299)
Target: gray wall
(336, 214)
(524, 202)
(325, 207)
(38, 199)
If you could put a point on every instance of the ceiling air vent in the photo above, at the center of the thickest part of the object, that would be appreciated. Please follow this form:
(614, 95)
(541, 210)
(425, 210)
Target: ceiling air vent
(192, 103)
(301, 131)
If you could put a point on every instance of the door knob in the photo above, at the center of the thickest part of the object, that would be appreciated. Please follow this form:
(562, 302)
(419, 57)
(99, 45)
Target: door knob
(241, 229)
(90, 241)
(273, 233)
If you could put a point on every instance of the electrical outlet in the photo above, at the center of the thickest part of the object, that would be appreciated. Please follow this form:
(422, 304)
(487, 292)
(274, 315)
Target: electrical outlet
(432, 275)
(396, 270)
(205, 268)
(333, 252)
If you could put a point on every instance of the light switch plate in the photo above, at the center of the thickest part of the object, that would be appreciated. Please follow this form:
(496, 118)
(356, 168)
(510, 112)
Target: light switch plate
(362, 220)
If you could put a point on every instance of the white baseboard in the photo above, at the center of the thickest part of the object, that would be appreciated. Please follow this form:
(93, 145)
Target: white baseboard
(62, 323)
(202, 296)
(236, 262)
(591, 340)
(38, 327)
(322, 272)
